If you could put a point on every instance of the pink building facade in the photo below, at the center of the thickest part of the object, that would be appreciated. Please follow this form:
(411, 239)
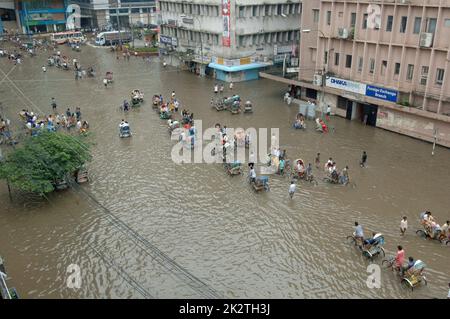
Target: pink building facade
(384, 63)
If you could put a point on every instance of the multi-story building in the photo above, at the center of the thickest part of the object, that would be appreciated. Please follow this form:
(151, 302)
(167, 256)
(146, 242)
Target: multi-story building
(25, 16)
(384, 63)
(232, 38)
(7, 16)
(112, 13)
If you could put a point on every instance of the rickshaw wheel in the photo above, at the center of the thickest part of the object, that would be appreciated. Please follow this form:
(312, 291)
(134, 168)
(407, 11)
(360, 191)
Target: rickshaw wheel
(448, 242)
(421, 233)
(386, 263)
(382, 252)
(351, 240)
(406, 284)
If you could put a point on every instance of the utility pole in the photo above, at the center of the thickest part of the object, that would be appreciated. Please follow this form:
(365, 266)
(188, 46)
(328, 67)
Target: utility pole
(118, 23)
(201, 45)
(131, 26)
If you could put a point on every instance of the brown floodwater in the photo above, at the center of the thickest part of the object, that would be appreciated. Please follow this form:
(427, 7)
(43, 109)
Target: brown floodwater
(145, 227)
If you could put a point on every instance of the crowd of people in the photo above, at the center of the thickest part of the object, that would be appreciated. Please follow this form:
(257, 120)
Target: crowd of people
(55, 121)
(432, 227)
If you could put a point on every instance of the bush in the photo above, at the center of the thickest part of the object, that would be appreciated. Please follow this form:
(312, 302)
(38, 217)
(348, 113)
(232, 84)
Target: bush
(44, 159)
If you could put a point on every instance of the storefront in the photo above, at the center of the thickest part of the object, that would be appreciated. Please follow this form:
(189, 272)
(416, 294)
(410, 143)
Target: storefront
(351, 103)
(42, 16)
(237, 70)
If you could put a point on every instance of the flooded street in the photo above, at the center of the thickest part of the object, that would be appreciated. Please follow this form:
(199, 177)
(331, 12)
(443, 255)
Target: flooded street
(145, 227)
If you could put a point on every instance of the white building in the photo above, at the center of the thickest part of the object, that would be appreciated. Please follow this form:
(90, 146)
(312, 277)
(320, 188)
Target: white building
(233, 39)
(105, 13)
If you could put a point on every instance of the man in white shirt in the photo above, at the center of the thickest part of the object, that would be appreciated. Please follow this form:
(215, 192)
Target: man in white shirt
(231, 86)
(446, 227)
(292, 188)
(328, 112)
(252, 173)
(216, 88)
(403, 225)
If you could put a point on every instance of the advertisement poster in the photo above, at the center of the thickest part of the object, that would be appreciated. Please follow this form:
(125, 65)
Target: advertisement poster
(226, 40)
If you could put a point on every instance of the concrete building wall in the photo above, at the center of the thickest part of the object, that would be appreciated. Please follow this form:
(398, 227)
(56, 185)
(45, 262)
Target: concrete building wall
(393, 46)
(249, 23)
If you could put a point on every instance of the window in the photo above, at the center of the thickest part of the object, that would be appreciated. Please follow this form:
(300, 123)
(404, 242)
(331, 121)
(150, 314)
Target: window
(267, 10)
(383, 67)
(447, 23)
(403, 23)
(134, 10)
(410, 72)
(254, 11)
(390, 21)
(372, 65)
(424, 75)
(431, 25)
(279, 9)
(397, 68)
(241, 11)
(348, 61)
(417, 24)
(353, 19)
(360, 64)
(364, 25)
(439, 76)
(328, 17)
(336, 58)
(316, 15)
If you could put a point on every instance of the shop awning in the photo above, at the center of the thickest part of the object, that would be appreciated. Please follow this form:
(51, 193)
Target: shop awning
(236, 68)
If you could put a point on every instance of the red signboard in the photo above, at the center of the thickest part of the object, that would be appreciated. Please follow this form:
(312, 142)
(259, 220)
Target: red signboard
(226, 39)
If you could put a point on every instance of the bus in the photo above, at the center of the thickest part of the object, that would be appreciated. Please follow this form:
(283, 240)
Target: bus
(69, 36)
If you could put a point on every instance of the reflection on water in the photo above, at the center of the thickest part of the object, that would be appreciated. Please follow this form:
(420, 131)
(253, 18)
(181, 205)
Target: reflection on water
(196, 232)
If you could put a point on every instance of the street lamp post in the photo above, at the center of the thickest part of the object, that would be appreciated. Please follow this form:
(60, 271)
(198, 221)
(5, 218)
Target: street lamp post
(118, 23)
(324, 70)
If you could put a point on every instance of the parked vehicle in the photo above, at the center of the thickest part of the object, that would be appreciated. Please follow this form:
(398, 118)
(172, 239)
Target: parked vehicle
(113, 37)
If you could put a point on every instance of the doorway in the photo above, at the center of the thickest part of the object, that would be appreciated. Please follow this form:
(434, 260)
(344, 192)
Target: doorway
(369, 114)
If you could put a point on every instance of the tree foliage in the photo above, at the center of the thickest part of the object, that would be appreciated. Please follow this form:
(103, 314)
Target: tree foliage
(44, 159)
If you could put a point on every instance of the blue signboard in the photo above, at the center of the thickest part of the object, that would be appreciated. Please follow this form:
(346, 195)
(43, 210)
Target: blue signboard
(382, 93)
(165, 39)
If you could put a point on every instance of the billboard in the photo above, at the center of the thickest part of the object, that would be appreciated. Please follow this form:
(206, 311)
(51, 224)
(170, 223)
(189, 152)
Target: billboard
(226, 39)
(363, 89)
(346, 85)
(382, 93)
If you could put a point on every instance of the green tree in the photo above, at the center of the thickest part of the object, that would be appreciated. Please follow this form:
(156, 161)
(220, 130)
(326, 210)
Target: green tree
(44, 159)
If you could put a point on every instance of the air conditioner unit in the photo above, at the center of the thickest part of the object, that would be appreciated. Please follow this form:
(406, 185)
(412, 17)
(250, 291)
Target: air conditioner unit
(318, 79)
(404, 1)
(426, 40)
(343, 33)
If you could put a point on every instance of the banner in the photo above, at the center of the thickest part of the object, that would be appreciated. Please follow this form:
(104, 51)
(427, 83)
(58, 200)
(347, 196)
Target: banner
(382, 93)
(346, 85)
(226, 39)
(363, 89)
